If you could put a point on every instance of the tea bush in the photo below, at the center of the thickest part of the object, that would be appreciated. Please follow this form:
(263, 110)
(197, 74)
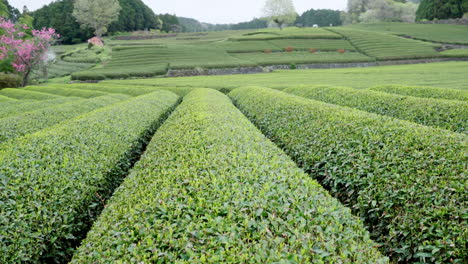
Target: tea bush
(407, 181)
(424, 91)
(29, 122)
(447, 114)
(55, 181)
(212, 189)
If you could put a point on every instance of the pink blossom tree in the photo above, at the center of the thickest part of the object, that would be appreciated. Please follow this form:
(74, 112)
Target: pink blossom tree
(26, 51)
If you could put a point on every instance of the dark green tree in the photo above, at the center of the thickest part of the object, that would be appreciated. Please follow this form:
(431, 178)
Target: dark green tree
(170, 23)
(134, 15)
(8, 11)
(441, 9)
(320, 17)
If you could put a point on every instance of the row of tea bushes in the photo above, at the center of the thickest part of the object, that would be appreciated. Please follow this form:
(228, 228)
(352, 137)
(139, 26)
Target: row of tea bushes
(212, 189)
(65, 91)
(55, 181)
(22, 94)
(29, 122)
(20, 106)
(447, 114)
(407, 181)
(424, 91)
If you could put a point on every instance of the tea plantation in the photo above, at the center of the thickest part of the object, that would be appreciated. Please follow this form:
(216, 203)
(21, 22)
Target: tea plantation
(353, 165)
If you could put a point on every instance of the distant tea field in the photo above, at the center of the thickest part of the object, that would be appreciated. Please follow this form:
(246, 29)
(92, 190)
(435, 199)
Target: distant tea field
(272, 47)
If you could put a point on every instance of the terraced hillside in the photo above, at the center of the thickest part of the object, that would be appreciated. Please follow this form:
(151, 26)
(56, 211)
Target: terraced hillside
(254, 50)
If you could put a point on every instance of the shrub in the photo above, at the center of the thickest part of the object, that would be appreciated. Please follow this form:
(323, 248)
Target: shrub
(9, 80)
(447, 114)
(29, 122)
(68, 171)
(313, 50)
(407, 181)
(289, 49)
(262, 208)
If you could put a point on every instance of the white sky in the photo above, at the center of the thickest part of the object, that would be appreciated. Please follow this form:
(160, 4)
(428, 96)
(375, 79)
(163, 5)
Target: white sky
(212, 11)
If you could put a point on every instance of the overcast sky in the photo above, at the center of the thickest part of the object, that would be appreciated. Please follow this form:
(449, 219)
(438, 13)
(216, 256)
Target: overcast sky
(212, 11)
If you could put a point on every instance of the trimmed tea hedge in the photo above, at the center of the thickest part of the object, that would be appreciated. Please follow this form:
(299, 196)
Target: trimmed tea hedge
(29, 122)
(24, 94)
(424, 91)
(55, 181)
(65, 91)
(212, 189)
(19, 107)
(447, 114)
(407, 181)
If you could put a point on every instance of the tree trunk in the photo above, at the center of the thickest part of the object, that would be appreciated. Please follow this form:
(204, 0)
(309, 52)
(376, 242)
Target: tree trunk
(25, 78)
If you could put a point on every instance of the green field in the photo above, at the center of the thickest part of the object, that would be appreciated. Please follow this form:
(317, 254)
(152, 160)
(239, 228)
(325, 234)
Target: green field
(443, 75)
(355, 165)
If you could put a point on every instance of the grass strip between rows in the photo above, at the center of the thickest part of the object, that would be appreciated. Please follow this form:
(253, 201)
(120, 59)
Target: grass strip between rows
(446, 114)
(212, 189)
(29, 122)
(407, 181)
(53, 183)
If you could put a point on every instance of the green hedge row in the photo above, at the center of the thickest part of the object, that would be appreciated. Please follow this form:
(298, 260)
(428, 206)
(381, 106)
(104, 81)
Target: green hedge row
(29, 122)
(121, 72)
(87, 76)
(407, 181)
(55, 181)
(447, 114)
(19, 107)
(212, 189)
(24, 94)
(424, 91)
(88, 59)
(64, 90)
